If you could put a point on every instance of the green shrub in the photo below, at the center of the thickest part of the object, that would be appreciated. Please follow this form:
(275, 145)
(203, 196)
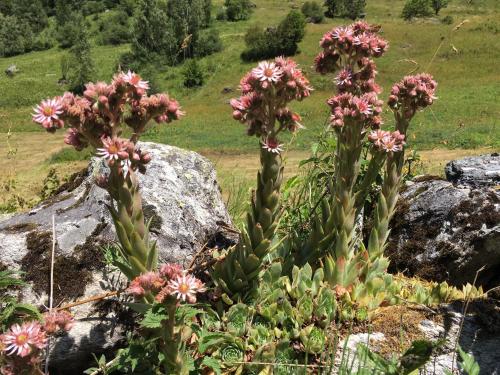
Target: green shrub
(272, 42)
(208, 42)
(447, 20)
(16, 36)
(115, 29)
(312, 11)
(81, 64)
(193, 74)
(416, 8)
(221, 14)
(237, 10)
(345, 8)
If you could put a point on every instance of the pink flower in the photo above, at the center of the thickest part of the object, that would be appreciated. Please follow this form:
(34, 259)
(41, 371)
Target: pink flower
(185, 287)
(267, 72)
(135, 288)
(21, 340)
(344, 78)
(47, 114)
(362, 106)
(413, 93)
(114, 149)
(170, 270)
(96, 90)
(377, 137)
(272, 145)
(387, 141)
(135, 80)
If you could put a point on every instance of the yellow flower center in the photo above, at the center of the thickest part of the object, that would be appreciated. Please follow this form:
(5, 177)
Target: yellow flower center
(21, 339)
(113, 149)
(48, 111)
(184, 288)
(268, 72)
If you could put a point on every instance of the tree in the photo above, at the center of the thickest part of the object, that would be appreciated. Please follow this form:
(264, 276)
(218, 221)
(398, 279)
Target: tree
(437, 5)
(153, 33)
(332, 8)
(207, 10)
(82, 65)
(416, 8)
(345, 8)
(188, 17)
(237, 10)
(354, 8)
(275, 41)
(16, 36)
(291, 31)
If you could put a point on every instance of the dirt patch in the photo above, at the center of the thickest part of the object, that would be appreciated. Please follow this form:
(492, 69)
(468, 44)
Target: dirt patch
(71, 273)
(400, 326)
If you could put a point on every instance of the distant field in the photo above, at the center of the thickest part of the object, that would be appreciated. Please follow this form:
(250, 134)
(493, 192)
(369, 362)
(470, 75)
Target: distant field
(465, 62)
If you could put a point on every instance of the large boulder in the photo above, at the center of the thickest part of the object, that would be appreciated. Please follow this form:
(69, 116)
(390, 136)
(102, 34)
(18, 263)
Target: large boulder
(180, 193)
(447, 233)
(481, 170)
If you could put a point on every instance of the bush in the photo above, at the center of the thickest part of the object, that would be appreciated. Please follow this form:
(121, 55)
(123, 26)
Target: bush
(193, 74)
(312, 11)
(345, 8)
(45, 40)
(221, 14)
(81, 64)
(115, 29)
(16, 36)
(237, 10)
(208, 42)
(448, 20)
(272, 42)
(416, 8)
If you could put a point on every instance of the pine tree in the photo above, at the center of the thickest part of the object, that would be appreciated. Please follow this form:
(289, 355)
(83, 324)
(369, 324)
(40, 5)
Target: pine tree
(154, 37)
(188, 17)
(82, 65)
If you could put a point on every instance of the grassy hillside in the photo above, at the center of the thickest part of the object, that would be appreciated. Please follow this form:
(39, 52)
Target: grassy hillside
(463, 61)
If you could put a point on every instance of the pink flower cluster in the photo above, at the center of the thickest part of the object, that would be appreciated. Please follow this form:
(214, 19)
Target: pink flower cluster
(171, 280)
(365, 109)
(56, 321)
(266, 91)
(344, 46)
(387, 141)
(96, 117)
(413, 93)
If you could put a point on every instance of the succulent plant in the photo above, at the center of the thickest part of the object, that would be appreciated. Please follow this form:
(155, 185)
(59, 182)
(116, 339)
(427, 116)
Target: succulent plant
(313, 339)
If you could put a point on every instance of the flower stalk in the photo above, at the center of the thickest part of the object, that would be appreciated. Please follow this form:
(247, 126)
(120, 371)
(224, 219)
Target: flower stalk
(266, 91)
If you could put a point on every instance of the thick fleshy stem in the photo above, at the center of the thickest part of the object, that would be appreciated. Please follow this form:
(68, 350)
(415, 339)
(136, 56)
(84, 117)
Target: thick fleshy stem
(238, 272)
(385, 207)
(131, 229)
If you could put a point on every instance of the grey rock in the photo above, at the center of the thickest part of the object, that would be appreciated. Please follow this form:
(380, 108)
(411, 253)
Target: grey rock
(179, 191)
(481, 170)
(447, 233)
(12, 70)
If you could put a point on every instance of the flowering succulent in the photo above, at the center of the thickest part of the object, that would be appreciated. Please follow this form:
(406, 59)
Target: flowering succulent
(97, 117)
(23, 340)
(171, 280)
(266, 92)
(55, 321)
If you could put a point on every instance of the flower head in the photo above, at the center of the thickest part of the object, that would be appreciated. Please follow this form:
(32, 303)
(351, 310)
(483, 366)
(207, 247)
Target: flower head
(55, 321)
(47, 114)
(135, 81)
(22, 339)
(185, 287)
(114, 149)
(170, 270)
(272, 145)
(413, 93)
(267, 72)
